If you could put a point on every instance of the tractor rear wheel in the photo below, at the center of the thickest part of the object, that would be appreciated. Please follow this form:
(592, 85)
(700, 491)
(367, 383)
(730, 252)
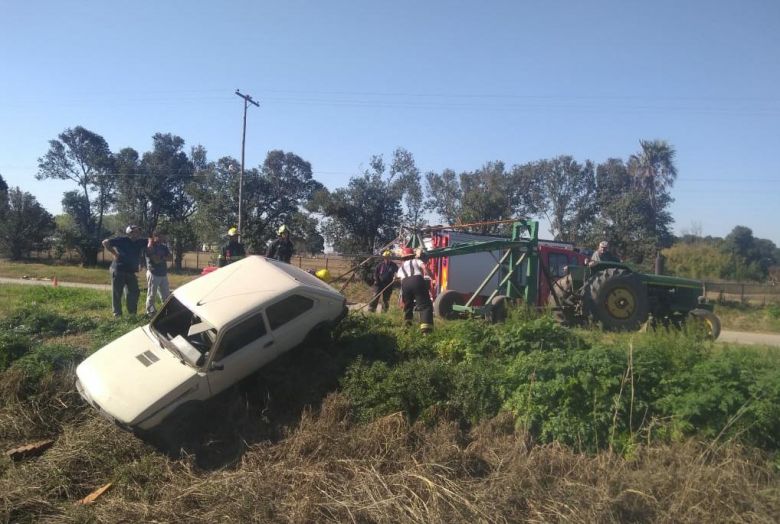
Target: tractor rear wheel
(616, 299)
(442, 306)
(709, 321)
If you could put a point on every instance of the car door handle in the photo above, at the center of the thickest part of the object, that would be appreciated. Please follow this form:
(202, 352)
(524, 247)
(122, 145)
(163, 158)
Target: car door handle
(268, 344)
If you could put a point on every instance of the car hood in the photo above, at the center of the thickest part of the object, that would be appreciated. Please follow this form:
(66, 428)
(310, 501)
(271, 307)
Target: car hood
(132, 378)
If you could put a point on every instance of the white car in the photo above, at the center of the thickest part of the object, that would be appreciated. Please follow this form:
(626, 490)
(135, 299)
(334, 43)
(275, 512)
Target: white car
(211, 333)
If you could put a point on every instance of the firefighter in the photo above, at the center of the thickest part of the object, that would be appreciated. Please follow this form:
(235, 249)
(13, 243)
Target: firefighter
(282, 248)
(232, 250)
(384, 274)
(415, 290)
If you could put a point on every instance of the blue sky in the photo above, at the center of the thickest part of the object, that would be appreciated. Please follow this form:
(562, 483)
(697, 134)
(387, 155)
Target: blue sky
(456, 83)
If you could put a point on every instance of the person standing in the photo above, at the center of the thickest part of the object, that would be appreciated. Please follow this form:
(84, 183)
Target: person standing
(157, 257)
(127, 252)
(415, 290)
(384, 275)
(232, 250)
(282, 248)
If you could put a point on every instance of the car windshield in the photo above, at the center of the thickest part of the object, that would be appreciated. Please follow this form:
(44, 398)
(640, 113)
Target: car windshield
(175, 324)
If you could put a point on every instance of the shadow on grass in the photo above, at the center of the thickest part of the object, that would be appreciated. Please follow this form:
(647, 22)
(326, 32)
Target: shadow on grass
(265, 406)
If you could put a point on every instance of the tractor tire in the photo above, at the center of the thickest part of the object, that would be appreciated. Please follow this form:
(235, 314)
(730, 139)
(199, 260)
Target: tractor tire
(498, 309)
(616, 299)
(708, 320)
(442, 306)
(562, 289)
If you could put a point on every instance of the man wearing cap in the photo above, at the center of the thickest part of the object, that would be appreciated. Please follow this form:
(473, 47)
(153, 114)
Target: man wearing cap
(282, 248)
(232, 250)
(603, 254)
(128, 254)
(384, 274)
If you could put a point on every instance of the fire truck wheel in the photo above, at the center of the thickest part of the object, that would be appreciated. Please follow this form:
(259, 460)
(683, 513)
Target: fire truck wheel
(497, 309)
(442, 306)
(616, 299)
(709, 321)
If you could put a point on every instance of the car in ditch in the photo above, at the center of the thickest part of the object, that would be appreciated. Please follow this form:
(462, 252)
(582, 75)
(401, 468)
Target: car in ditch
(210, 334)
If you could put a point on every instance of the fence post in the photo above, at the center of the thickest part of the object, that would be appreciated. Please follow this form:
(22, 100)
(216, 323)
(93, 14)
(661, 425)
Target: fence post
(326, 262)
(742, 294)
(197, 259)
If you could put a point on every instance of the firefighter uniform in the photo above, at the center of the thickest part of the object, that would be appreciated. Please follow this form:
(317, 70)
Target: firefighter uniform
(414, 291)
(232, 250)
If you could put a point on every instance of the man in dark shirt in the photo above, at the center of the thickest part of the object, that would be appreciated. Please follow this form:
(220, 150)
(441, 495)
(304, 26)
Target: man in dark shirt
(232, 250)
(128, 252)
(384, 275)
(282, 248)
(157, 257)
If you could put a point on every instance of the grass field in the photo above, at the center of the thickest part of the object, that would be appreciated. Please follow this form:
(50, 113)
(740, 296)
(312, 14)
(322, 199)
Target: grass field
(519, 422)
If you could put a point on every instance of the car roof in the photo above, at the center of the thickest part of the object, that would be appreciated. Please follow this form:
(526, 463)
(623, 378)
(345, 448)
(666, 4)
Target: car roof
(244, 286)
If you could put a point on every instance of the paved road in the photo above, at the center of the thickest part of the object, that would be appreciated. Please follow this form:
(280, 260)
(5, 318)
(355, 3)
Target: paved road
(741, 337)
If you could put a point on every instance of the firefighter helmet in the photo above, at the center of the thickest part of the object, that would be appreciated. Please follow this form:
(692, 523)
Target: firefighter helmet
(407, 252)
(232, 232)
(386, 253)
(282, 229)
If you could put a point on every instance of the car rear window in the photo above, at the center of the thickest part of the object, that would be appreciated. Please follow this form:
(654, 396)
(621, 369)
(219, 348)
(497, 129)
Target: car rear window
(287, 309)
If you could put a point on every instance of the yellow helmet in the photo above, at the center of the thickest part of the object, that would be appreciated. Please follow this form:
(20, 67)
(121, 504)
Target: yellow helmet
(323, 274)
(232, 232)
(386, 253)
(282, 229)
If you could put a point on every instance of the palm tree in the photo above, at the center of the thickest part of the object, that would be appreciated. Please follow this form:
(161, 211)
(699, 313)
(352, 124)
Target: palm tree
(654, 171)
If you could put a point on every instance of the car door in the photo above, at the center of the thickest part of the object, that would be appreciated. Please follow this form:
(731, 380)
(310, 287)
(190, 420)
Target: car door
(242, 349)
(291, 319)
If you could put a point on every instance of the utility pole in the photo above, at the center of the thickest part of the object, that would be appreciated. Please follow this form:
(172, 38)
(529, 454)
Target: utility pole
(247, 100)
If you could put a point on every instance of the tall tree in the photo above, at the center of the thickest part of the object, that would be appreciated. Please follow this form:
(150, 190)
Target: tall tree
(363, 216)
(83, 157)
(25, 224)
(169, 175)
(406, 179)
(654, 172)
(488, 194)
(275, 194)
(569, 192)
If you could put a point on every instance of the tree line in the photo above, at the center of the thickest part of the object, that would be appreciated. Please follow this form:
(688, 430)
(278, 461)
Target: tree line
(195, 199)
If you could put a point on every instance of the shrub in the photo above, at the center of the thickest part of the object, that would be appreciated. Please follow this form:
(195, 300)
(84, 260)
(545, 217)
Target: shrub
(12, 346)
(34, 320)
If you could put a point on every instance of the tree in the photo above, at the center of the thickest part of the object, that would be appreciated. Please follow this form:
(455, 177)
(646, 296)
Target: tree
(406, 179)
(25, 225)
(3, 198)
(363, 216)
(274, 195)
(569, 193)
(488, 194)
(654, 173)
(83, 157)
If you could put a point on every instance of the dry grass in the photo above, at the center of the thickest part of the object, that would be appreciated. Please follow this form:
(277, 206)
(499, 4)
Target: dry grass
(327, 468)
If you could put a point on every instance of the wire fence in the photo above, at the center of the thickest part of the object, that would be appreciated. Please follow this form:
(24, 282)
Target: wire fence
(196, 260)
(745, 293)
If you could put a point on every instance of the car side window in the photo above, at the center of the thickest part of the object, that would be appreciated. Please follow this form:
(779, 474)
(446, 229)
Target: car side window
(243, 333)
(287, 309)
(557, 264)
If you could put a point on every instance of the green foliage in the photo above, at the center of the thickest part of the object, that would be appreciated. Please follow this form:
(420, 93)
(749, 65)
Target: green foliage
(36, 321)
(12, 346)
(696, 260)
(45, 359)
(24, 223)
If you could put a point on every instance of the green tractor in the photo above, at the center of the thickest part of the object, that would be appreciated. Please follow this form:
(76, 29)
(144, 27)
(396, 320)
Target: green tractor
(610, 295)
(617, 298)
